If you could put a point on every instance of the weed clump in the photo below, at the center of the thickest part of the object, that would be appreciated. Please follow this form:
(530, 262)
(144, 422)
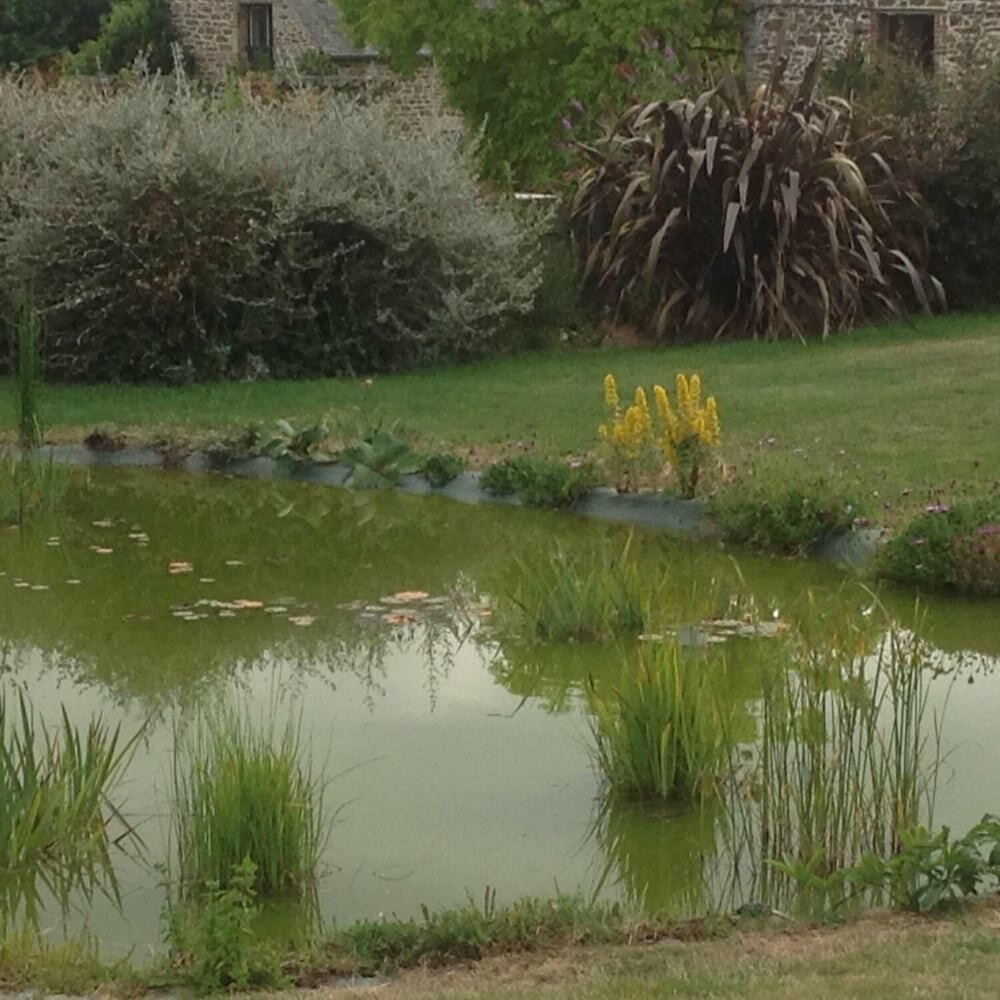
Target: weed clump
(540, 483)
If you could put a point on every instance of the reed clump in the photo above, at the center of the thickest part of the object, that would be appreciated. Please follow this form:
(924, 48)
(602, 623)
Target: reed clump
(58, 820)
(665, 731)
(845, 763)
(593, 596)
(243, 791)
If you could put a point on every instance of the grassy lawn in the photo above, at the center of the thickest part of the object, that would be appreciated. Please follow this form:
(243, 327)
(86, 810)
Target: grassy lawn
(882, 956)
(896, 407)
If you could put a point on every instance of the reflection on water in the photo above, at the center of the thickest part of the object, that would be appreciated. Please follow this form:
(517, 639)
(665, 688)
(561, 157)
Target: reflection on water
(460, 755)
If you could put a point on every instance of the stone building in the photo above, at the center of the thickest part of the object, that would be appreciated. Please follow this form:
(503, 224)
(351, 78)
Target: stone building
(943, 35)
(282, 34)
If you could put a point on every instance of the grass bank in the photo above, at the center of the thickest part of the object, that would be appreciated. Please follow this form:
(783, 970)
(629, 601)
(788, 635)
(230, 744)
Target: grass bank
(889, 956)
(895, 408)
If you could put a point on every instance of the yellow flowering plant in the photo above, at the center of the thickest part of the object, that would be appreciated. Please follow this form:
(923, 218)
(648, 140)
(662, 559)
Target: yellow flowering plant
(681, 438)
(632, 451)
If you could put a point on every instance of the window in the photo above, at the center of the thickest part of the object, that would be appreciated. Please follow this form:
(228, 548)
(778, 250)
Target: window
(909, 35)
(258, 35)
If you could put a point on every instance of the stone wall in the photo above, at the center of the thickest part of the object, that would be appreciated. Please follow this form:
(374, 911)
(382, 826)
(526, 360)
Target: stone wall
(207, 31)
(414, 101)
(211, 31)
(966, 32)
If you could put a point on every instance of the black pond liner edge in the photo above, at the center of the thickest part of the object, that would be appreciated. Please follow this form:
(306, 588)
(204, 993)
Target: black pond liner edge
(674, 515)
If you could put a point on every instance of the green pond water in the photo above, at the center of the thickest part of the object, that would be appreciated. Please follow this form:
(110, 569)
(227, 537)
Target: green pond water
(459, 755)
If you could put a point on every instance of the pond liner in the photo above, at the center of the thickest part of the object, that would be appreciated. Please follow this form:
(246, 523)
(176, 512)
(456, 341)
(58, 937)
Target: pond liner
(674, 515)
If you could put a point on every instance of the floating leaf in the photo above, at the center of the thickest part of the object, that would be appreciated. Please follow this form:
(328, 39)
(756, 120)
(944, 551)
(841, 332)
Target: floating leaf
(398, 618)
(411, 595)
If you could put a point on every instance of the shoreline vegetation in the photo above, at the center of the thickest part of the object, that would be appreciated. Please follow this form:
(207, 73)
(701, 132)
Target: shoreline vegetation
(563, 948)
(890, 401)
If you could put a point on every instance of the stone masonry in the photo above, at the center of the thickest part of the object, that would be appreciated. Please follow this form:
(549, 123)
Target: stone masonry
(211, 31)
(965, 32)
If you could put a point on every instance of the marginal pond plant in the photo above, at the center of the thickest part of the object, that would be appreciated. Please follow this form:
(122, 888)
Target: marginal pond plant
(666, 730)
(539, 482)
(948, 547)
(845, 762)
(639, 449)
(59, 819)
(244, 790)
(590, 596)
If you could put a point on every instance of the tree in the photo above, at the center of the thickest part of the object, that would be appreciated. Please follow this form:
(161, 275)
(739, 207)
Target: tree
(525, 70)
(33, 30)
(132, 28)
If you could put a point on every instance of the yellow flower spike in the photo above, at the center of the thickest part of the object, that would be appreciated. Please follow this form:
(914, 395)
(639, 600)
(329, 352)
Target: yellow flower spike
(694, 392)
(662, 403)
(682, 392)
(611, 400)
(712, 429)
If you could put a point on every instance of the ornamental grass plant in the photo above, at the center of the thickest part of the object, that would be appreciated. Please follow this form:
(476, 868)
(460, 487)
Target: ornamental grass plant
(735, 214)
(243, 791)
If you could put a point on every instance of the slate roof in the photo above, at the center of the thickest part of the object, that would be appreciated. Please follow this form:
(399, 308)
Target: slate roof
(322, 21)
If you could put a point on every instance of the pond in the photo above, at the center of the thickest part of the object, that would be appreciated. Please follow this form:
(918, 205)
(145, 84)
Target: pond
(458, 754)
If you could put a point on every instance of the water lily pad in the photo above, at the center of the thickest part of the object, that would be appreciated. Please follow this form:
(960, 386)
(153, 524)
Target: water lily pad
(399, 618)
(408, 596)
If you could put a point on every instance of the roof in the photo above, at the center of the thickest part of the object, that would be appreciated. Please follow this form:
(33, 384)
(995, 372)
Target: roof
(323, 24)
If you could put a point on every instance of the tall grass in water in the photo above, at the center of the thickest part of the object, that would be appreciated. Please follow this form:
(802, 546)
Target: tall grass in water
(846, 760)
(56, 811)
(588, 596)
(28, 376)
(665, 731)
(242, 790)
(28, 485)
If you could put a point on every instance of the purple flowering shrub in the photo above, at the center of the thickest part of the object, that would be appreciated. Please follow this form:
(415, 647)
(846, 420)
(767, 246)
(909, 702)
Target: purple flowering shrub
(949, 547)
